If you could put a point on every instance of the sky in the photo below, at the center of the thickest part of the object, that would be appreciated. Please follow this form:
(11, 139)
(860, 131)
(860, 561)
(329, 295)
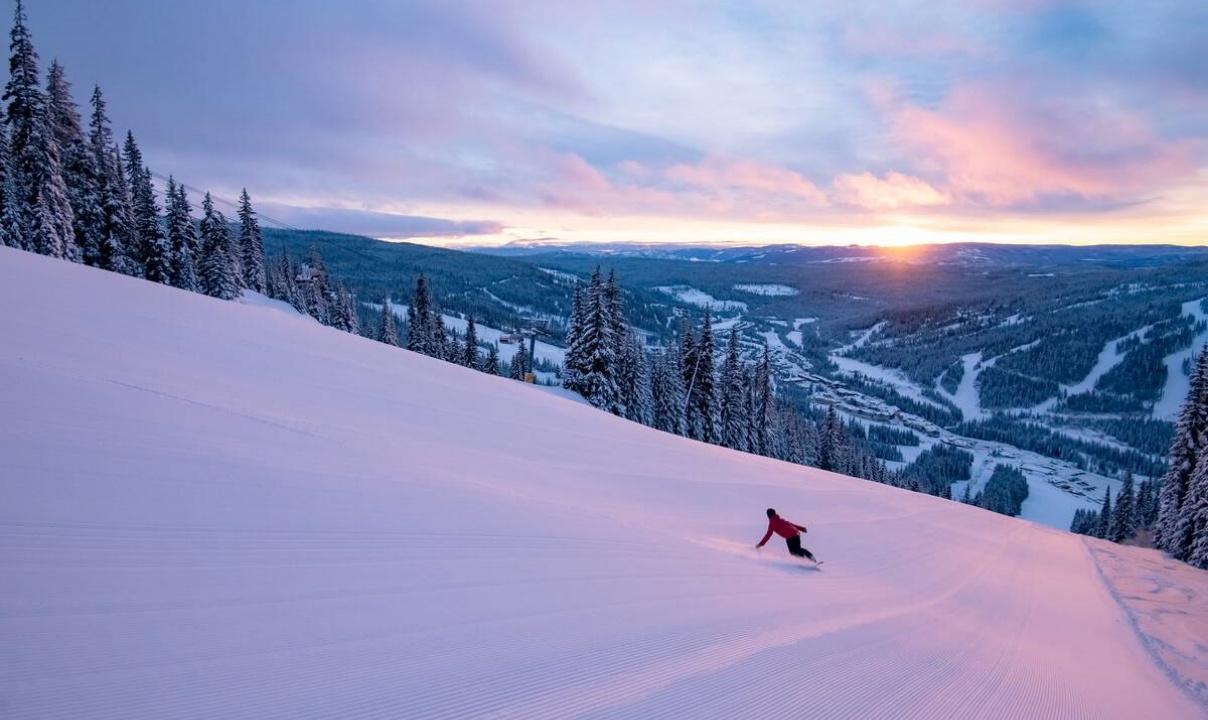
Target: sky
(756, 121)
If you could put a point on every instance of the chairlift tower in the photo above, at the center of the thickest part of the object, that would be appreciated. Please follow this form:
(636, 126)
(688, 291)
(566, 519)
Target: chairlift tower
(540, 326)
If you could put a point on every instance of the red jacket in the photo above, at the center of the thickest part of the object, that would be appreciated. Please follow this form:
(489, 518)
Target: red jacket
(781, 527)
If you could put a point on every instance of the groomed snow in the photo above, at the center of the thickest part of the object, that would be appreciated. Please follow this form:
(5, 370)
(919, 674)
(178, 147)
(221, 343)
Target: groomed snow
(214, 510)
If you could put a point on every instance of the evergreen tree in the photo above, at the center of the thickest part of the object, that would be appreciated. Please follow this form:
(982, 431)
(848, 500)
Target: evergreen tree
(470, 357)
(44, 208)
(388, 332)
(77, 167)
(1122, 525)
(733, 404)
(182, 238)
(490, 362)
(419, 319)
(519, 365)
(700, 384)
(1185, 449)
(832, 443)
(216, 277)
(667, 394)
(595, 380)
(762, 411)
(116, 223)
(11, 234)
(1195, 514)
(316, 290)
(1103, 524)
(440, 335)
(573, 362)
(251, 245)
(152, 253)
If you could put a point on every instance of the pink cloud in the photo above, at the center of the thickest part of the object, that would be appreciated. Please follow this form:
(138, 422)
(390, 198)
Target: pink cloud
(723, 176)
(712, 187)
(994, 151)
(890, 192)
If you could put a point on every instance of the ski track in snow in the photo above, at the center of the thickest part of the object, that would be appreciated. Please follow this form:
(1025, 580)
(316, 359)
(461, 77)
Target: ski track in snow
(438, 543)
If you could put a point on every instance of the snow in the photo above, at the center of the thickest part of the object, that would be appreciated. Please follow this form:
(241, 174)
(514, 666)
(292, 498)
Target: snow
(219, 510)
(768, 290)
(1167, 604)
(966, 396)
(794, 336)
(700, 298)
(1177, 383)
(561, 275)
(251, 297)
(889, 376)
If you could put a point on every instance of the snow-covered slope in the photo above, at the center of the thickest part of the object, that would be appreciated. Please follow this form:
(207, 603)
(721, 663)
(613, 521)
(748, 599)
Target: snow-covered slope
(213, 510)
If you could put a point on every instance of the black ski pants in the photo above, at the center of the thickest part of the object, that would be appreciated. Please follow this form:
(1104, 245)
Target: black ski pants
(795, 548)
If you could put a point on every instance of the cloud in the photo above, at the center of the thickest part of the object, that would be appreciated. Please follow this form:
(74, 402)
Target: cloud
(994, 148)
(891, 192)
(376, 224)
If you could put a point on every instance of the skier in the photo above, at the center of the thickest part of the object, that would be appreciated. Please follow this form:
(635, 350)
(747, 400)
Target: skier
(791, 532)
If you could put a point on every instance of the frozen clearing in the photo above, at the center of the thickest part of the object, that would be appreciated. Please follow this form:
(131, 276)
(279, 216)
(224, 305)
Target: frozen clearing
(768, 290)
(700, 298)
(1167, 406)
(214, 510)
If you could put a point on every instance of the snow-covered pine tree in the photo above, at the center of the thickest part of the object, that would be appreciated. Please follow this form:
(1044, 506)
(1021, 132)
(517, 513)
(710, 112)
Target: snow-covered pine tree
(419, 319)
(763, 417)
(116, 233)
(830, 442)
(315, 290)
(1121, 526)
(10, 199)
(1104, 520)
(343, 314)
(76, 164)
(388, 330)
(703, 421)
(152, 252)
(214, 269)
(182, 238)
(490, 361)
(596, 381)
(572, 362)
(1195, 514)
(1181, 463)
(519, 364)
(470, 357)
(667, 393)
(44, 208)
(251, 244)
(642, 409)
(439, 342)
(732, 403)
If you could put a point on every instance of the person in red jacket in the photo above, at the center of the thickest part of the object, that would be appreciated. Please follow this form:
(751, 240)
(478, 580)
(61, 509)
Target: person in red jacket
(791, 532)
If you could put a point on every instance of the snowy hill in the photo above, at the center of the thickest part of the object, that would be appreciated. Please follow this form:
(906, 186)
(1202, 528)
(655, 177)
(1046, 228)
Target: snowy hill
(223, 510)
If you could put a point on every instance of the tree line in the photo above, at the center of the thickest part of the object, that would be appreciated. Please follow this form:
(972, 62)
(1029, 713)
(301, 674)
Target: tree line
(77, 195)
(696, 387)
(1172, 509)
